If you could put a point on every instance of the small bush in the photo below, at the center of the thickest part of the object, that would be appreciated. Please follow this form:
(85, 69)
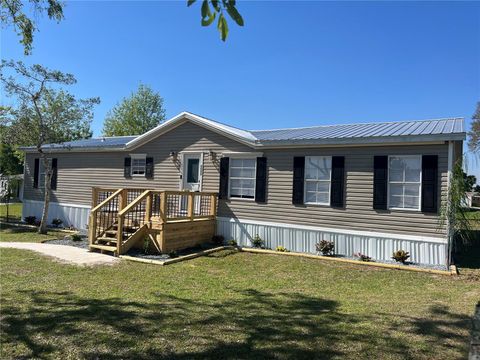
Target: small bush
(218, 239)
(146, 245)
(30, 220)
(362, 257)
(326, 247)
(232, 243)
(281, 248)
(257, 241)
(76, 237)
(57, 222)
(173, 254)
(401, 256)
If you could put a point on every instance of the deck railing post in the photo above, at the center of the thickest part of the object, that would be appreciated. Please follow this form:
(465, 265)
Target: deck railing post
(92, 227)
(190, 205)
(163, 206)
(148, 208)
(213, 205)
(120, 234)
(94, 197)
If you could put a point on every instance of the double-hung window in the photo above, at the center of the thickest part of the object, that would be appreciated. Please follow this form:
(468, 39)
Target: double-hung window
(318, 174)
(138, 164)
(404, 182)
(42, 172)
(242, 177)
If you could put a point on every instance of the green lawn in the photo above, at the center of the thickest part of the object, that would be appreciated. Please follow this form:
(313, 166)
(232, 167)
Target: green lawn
(26, 234)
(230, 305)
(14, 212)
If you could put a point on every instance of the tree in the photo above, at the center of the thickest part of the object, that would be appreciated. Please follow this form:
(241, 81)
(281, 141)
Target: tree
(469, 181)
(44, 114)
(12, 13)
(141, 112)
(10, 164)
(477, 188)
(474, 133)
(219, 7)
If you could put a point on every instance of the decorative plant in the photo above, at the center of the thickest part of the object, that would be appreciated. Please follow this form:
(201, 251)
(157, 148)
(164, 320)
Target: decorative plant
(173, 254)
(146, 245)
(326, 247)
(362, 257)
(218, 239)
(232, 243)
(257, 241)
(57, 222)
(401, 256)
(30, 220)
(281, 248)
(76, 237)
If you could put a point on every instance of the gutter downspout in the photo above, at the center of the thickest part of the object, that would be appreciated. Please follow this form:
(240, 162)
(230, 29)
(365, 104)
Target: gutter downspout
(449, 179)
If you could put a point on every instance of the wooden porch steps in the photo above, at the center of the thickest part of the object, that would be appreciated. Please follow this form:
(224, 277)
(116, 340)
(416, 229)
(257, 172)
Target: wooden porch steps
(103, 247)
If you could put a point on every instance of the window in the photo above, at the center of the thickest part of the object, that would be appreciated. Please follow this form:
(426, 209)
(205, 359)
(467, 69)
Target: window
(404, 182)
(138, 164)
(193, 170)
(242, 178)
(318, 173)
(41, 173)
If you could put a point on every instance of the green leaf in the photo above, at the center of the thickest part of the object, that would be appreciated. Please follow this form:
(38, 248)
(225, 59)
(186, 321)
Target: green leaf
(205, 10)
(190, 2)
(222, 27)
(215, 5)
(234, 14)
(206, 22)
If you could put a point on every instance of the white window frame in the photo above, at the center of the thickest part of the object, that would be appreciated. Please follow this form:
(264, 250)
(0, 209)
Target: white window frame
(41, 172)
(254, 158)
(305, 180)
(134, 157)
(420, 183)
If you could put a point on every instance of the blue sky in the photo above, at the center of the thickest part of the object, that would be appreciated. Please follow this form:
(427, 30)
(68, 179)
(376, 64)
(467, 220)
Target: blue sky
(293, 64)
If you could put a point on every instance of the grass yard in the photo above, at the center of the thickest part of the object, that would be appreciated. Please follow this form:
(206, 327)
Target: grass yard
(26, 234)
(14, 212)
(230, 305)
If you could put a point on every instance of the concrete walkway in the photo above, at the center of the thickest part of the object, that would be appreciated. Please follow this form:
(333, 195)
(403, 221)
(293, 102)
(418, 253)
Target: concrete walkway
(64, 253)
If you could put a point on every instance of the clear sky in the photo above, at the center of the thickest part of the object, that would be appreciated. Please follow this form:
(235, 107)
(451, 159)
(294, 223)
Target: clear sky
(293, 64)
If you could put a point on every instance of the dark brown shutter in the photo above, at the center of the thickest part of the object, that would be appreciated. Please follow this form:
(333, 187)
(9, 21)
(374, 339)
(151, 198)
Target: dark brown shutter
(149, 167)
(53, 182)
(429, 183)
(127, 165)
(380, 182)
(36, 170)
(224, 165)
(338, 181)
(261, 180)
(298, 179)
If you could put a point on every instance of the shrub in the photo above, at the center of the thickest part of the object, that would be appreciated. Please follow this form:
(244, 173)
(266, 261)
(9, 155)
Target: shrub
(173, 254)
(57, 222)
(401, 256)
(232, 243)
(326, 247)
(218, 239)
(257, 241)
(146, 245)
(281, 248)
(76, 237)
(30, 220)
(362, 257)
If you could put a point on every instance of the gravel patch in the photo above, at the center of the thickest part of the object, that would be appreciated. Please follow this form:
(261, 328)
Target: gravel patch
(83, 244)
(138, 253)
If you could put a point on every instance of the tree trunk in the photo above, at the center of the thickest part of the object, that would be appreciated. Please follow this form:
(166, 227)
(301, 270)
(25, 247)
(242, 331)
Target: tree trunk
(42, 229)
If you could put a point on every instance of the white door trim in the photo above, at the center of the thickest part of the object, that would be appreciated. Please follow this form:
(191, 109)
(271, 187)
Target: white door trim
(185, 154)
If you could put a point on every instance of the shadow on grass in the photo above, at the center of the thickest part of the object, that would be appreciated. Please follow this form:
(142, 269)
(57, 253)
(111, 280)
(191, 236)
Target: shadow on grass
(255, 325)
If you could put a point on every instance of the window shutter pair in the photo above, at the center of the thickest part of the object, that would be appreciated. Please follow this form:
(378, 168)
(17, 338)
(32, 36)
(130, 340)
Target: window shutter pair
(36, 174)
(127, 167)
(429, 196)
(337, 183)
(260, 179)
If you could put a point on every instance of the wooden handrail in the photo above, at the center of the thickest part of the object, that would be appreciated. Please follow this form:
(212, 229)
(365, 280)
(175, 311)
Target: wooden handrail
(135, 202)
(107, 200)
(183, 192)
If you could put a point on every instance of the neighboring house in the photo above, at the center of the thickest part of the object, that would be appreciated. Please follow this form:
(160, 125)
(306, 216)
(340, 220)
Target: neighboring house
(16, 183)
(472, 200)
(372, 188)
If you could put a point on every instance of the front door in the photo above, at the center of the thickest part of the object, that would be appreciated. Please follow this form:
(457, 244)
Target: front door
(192, 172)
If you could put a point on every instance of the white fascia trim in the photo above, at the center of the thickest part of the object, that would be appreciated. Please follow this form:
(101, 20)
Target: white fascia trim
(241, 136)
(70, 149)
(440, 240)
(59, 204)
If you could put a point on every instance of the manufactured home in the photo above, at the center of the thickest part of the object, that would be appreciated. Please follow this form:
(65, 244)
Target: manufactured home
(372, 188)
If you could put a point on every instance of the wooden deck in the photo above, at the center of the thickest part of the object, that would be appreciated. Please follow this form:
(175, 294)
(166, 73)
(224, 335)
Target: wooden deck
(165, 220)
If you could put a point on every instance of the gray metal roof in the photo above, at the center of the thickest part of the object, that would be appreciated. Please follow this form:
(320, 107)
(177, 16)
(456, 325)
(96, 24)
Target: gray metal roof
(369, 130)
(381, 132)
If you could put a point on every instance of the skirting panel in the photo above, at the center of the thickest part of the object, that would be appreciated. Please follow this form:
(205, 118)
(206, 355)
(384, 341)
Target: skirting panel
(71, 214)
(298, 239)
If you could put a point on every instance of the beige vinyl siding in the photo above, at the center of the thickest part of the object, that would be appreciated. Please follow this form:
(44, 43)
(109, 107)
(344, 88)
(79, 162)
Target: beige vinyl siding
(78, 172)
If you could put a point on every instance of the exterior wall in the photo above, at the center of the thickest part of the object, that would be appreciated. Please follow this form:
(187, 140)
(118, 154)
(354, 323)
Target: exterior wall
(78, 172)
(379, 246)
